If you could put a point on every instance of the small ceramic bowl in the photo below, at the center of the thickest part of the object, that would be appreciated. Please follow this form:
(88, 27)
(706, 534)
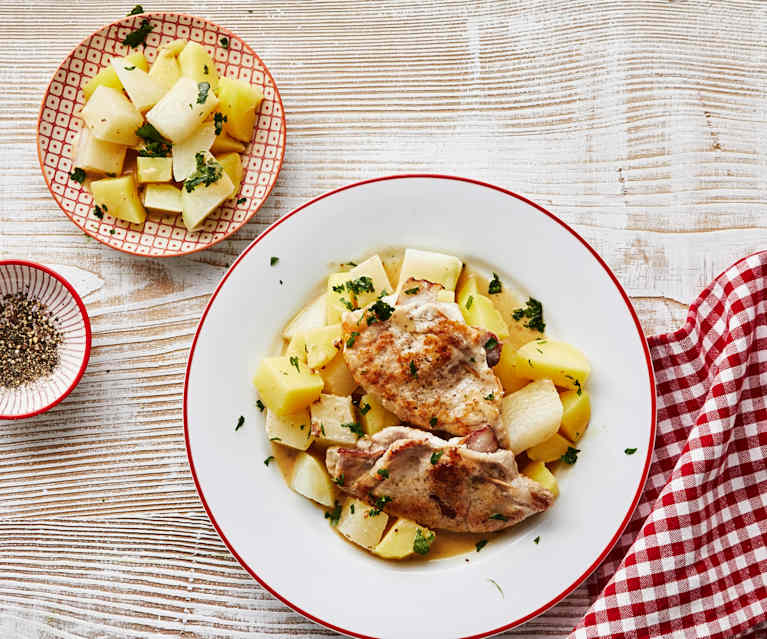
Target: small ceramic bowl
(70, 317)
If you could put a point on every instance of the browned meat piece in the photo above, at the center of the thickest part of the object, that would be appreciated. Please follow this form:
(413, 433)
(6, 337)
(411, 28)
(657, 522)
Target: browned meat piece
(423, 363)
(463, 485)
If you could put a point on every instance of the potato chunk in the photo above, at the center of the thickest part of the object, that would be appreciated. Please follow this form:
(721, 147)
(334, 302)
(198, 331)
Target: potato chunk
(286, 388)
(361, 523)
(233, 166)
(550, 449)
(119, 197)
(506, 370)
(434, 267)
(374, 416)
(338, 380)
(537, 471)
(153, 169)
(339, 299)
(530, 415)
(576, 414)
(322, 345)
(98, 156)
(297, 347)
(224, 143)
(562, 363)
(311, 480)
(290, 430)
(195, 63)
(200, 200)
(239, 103)
(165, 70)
(143, 90)
(333, 420)
(399, 542)
(482, 313)
(112, 117)
(162, 197)
(107, 77)
(184, 153)
(179, 112)
(311, 316)
(373, 269)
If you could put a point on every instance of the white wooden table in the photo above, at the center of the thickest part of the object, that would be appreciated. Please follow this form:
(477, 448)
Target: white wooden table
(641, 123)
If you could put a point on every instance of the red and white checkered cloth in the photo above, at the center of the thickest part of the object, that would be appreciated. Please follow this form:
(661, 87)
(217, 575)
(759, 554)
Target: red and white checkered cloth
(693, 560)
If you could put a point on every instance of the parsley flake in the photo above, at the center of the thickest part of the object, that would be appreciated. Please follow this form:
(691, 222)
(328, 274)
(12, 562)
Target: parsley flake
(355, 428)
(240, 422)
(469, 302)
(78, 175)
(362, 284)
(350, 342)
(339, 480)
(499, 517)
(630, 451)
(495, 286)
(481, 544)
(413, 370)
(137, 37)
(136, 10)
(268, 460)
(490, 397)
(533, 312)
(364, 410)
(334, 515)
(206, 172)
(381, 312)
(294, 363)
(537, 540)
(435, 456)
(224, 42)
(242, 200)
(492, 581)
(129, 68)
(384, 472)
(412, 291)
(491, 344)
(98, 211)
(379, 505)
(275, 439)
(571, 456)
(205, 69)
(202, 92)
(218, 122)
(422, 543)
(260, 405)
(273, 260)
(433, 421)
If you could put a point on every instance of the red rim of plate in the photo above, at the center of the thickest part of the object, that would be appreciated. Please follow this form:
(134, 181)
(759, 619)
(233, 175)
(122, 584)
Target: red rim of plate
(629, 306)
(247, 48)
(86, 320)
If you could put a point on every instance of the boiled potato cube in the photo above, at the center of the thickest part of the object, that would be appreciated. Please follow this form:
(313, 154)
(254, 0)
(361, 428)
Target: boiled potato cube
(162, 197)
(530, 415)
(112, 117)
(311, 316)
(178, 114)
(482, 313)
(468, 289)
(434, 267)
(562, 363)
(333, 419)
(443, 295)
(142, 90)
(195, 63)
(98, 156)
(322, 345)
(576, 414)
(233, 166)
(290, 430)
(549, 450)
(361, 523)
(185, 153)
(371, 268)
(203, 199)
(239, 103)
(537, 471)
(506, 371)
(340, 299)
(154, 169)
(311, 480)
(398, 542)
(297, 347)
(224, 143)
(285, 388)
(165, 70)
(338, 380)
(119, 197)
(107, 77)
(374, 416)
(172, 48)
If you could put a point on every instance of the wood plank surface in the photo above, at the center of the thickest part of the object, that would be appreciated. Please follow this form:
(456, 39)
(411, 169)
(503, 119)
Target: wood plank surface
(641, 123)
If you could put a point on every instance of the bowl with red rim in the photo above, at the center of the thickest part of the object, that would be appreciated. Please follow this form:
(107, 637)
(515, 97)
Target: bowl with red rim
(68, 315)
(161, 235)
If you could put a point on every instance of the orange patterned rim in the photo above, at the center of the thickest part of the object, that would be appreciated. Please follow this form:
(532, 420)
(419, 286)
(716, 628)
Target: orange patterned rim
(161, 235)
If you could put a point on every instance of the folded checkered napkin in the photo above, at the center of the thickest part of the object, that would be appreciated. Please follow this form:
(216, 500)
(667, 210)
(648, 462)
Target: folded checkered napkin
(693, 560)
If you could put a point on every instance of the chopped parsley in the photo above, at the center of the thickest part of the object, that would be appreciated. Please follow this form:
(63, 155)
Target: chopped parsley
(381, 312)
(499, 517)
(362, 284)
(242, 200)
(537, 540)
(364, 410)
(155, 145)
(334, 515)
(491, 344)
(413, 370)
(273, 260)
(268, 460)
(577, 383)
(240, 422)
(275, 439)
(338, 288)
(492, 581)
(218, 122)
(111, 231)
(129, 68)
(630, 451)
(154, 150)
(137, 37)
(435, 456)
(422, 543)
(205, 69)
(495, 286)
(355, 428)
(294, 363)
(412, 291)
(351, 508)
(481, 544)
(433, 421)
(98, 211)
(206, 172)
(469, 302)
(224, 42)
(202, 92)
(379, 505)
(136, 10)
(533, 312)
(350, 341)
(78, 175)
(260, 405)
(490, 397)
(383, 472)
(571, 456)
(347, 304)
(339, 480)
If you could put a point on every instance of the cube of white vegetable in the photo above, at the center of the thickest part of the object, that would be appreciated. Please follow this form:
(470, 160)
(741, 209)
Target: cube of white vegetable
(203, 199)
(162, 197)
(184, 152)
(195, 62)
(179, 112)
(98, 156)
(530, 415)
(112, 117)
(165, 70)
(374, 269)
(434, 267)
(142, 90)
(290, 430)
(311, 316)
(153, 169)
(311, 480)
(361, 523)
(333, 420)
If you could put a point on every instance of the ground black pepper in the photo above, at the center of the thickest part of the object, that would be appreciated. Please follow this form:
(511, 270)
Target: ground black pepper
(29, 340)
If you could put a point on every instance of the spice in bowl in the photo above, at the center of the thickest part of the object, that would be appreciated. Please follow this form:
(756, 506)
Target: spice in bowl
(29, 340)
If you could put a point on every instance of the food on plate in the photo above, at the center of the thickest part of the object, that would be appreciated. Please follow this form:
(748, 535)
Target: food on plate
(174, 123)
(118, 197)
(418, 422)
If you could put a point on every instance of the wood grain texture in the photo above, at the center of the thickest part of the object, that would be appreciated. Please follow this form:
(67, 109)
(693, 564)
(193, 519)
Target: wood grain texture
(640, 123)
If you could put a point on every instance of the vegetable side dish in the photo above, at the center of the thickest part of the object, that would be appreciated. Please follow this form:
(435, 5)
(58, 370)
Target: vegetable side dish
(407, 409)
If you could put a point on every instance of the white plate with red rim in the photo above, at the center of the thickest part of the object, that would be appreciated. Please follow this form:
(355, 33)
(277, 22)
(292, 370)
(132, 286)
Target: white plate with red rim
(283, 540)
(161, 235)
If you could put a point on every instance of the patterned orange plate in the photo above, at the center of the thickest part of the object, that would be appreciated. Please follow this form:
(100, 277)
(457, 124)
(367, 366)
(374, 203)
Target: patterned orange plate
(161, 235)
